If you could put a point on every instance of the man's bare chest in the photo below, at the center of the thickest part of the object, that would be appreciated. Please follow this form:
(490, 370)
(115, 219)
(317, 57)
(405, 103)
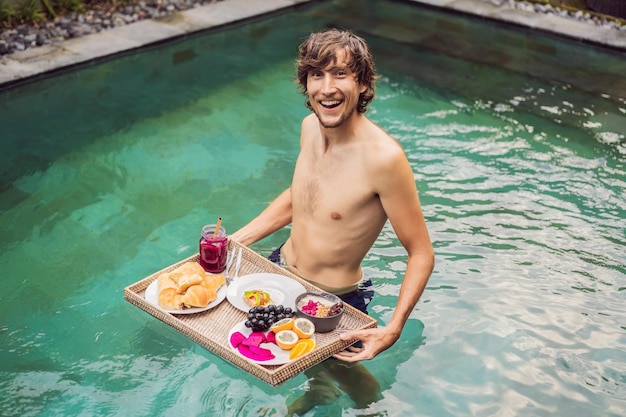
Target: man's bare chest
(330, 190)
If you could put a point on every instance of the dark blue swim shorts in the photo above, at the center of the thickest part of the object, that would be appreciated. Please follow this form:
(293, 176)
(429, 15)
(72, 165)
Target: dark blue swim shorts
(358, 298)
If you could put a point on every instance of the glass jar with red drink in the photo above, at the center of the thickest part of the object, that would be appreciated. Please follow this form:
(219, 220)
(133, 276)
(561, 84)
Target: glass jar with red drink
(213, 248)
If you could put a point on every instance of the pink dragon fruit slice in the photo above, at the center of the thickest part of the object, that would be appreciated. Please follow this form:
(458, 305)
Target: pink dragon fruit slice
(261, 351)
(258, 356)
(237, 338)
(255, 339)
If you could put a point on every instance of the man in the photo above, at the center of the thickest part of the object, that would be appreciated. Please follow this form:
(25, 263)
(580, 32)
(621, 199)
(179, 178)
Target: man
(350, 178)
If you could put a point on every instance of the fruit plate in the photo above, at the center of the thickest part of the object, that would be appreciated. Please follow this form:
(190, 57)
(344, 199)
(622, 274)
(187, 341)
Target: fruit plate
(152, 296)
(282, 289)
(281, 356)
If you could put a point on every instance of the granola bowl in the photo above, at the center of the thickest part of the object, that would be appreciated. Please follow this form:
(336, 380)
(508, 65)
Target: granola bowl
(322, 308)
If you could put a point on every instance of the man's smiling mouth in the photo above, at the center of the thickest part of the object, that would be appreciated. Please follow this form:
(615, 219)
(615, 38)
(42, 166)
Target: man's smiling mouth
(330, 104)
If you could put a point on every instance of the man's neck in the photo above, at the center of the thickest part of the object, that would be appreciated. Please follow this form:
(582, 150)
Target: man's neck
(347, 132)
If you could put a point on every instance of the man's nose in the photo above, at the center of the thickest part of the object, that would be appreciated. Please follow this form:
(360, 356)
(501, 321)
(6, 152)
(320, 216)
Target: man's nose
(328, 84)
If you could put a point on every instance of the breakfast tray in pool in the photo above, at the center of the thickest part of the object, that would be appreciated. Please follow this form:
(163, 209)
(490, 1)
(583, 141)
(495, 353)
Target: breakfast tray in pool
(210, 328)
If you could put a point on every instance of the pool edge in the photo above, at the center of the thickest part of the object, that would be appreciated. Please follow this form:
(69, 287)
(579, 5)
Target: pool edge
(548, 23)
(31, 64)
(35, 63)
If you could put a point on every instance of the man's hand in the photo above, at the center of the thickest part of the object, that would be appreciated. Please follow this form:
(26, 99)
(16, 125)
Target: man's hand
(374, 341)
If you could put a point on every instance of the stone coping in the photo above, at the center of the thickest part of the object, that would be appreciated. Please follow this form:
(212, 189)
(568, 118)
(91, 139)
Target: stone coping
(32, 63)
(498, 10)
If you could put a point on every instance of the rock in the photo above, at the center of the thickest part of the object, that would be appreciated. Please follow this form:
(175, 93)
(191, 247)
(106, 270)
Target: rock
(75, 32)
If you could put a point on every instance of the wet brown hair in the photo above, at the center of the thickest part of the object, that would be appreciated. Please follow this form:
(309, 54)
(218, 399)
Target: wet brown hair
(320, 49)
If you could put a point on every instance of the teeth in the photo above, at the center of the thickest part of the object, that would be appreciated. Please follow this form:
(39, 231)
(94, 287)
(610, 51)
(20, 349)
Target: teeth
(330, 103)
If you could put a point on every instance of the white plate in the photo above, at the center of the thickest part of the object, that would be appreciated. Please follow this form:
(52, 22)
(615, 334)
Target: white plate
(281, 356)
(282, 290)
(152, 296)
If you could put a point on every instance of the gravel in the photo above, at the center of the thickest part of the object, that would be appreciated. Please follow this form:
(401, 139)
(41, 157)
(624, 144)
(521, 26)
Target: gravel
(580, 15)
(74, 24)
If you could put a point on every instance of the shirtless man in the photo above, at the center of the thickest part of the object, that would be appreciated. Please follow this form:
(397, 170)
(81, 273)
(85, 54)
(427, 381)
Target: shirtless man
(349, 178)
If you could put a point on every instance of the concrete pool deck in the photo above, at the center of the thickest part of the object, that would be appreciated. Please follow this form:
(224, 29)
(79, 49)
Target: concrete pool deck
(40, 61)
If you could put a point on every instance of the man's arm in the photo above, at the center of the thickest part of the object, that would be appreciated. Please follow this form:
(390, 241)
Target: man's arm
(400, 201)
(275, 216)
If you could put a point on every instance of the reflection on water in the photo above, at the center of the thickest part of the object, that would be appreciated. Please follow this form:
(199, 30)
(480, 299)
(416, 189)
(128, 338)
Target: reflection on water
(521, 180)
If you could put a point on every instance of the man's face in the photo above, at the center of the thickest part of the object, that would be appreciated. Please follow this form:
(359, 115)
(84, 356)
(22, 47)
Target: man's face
(334, 92)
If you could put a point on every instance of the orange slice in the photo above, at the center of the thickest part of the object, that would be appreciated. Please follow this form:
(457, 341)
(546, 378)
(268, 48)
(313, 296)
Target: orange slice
(286, 339)
(303, 346)
(280, 325)
(304, 328)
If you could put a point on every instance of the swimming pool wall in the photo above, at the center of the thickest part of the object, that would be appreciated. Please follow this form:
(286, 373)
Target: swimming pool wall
(33, 121)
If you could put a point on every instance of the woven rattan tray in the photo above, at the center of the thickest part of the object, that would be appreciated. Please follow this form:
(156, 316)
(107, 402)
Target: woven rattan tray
(210, 328)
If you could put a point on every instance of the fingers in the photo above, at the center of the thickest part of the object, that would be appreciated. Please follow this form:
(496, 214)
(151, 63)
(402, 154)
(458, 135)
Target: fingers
(353, 335)
(352, 354)
(347, 356)
(347, 335)
(354, 349)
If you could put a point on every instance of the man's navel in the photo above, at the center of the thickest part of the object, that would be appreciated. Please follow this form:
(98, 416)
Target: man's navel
(335, 216)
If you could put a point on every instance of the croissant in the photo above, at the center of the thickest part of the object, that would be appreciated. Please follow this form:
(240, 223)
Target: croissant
(187, 281)
(170, 299)
(198, 296)
(188, 286)
(165, 281)
(213, 281)
(188, 268)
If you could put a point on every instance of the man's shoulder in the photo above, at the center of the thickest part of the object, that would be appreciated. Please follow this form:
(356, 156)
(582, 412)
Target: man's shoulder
(309, 129)
(383, 152)
(381, 140)
(309, 120)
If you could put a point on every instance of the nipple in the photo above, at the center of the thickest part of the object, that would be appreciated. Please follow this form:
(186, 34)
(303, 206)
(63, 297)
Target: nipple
(335, 216)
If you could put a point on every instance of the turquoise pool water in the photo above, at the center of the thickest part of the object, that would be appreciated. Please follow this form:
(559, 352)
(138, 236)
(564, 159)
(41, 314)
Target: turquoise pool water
(109, 173)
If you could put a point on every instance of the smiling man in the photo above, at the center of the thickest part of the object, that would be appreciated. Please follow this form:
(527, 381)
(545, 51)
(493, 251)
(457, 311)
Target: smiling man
(350, 178)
